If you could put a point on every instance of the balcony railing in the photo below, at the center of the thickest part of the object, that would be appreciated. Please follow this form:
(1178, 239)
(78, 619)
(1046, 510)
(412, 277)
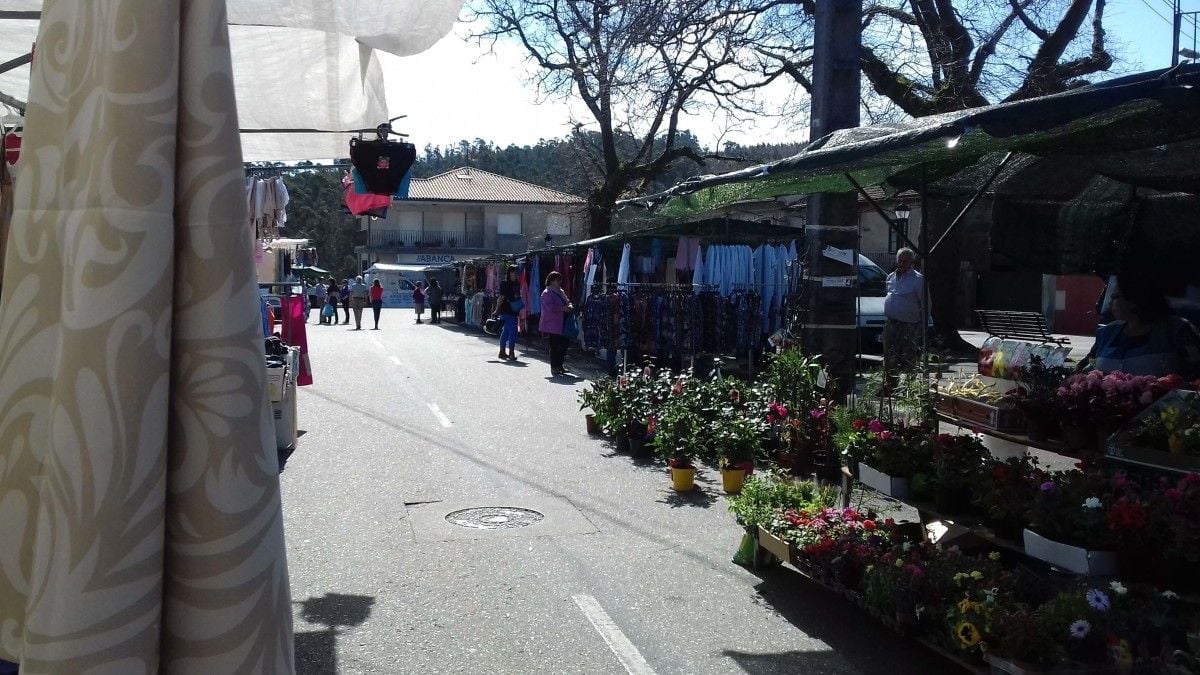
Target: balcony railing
(419, 239)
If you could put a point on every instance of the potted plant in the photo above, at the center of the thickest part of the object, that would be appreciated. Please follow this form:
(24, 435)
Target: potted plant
(898, 455)
(735, 441)
(956, 461)
(1069, 524)
(601, 397)
(1003, 492)
(1094, 405)
(678, 426)
(1035, 396)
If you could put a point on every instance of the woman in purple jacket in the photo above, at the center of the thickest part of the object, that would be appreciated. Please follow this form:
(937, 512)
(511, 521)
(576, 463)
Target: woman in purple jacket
(555, 307)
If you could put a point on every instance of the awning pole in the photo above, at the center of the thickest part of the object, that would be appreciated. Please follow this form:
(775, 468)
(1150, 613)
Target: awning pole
(892, 224)
(974, 198)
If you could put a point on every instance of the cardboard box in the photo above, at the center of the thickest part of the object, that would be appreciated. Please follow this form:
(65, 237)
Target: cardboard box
(881, 482)
(774, 545)
(277, 383)
(1071, 558)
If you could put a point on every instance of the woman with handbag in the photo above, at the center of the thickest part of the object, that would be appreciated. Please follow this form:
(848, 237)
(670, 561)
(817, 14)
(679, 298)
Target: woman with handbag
(557, 322)
(508, 306)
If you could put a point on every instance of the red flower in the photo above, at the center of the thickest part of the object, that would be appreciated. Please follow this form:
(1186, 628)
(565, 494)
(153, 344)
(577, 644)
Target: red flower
(889, 522)
(1000, 472)
(868, 525)
(651, 424)
(735, 395)
(859, 425)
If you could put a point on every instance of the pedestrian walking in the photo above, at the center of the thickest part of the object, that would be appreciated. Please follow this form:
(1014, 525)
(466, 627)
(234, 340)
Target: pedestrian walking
(329, 311)
(359, 293)
(508, 308)
(344, 295)
(556, 308)
(312, 295)
(376, 295)
(905, 316)
(419, 299)
(434, 297)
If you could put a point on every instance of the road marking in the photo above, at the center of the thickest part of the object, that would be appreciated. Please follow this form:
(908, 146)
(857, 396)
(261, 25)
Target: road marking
(622, 648)
(396, 360)
(441, 416)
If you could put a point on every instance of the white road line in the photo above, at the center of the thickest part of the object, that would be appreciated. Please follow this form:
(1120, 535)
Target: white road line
(626, 653)
(441, 416)
(396, 360)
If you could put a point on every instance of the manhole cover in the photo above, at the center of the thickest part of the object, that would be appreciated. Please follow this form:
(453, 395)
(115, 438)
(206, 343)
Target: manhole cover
(494, 517)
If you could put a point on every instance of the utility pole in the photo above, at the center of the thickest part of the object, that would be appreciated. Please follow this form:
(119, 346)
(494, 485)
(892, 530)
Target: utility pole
(1176, 26)
(831, 324)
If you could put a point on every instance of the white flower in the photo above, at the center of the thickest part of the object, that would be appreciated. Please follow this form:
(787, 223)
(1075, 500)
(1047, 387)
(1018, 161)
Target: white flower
(1098, 600)
(1080, 629)
(1170, 595)
(1092, 503)
(1118, 588)
(919, 610)
(907, 546)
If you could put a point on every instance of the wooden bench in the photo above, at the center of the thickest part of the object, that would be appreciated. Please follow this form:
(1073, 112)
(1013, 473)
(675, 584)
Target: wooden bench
(1029, 326)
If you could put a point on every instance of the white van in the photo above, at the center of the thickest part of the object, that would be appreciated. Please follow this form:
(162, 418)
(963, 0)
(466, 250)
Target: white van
(872, 289)
(398, 282)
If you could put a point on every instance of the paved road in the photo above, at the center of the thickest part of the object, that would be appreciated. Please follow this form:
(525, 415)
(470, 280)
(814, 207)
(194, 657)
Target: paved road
(408, 424)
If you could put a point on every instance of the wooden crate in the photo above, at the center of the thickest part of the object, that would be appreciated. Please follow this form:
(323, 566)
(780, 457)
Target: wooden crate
(774, 545)
(983, 415)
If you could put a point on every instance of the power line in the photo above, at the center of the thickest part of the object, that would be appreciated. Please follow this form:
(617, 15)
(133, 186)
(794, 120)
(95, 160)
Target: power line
(1158, 14)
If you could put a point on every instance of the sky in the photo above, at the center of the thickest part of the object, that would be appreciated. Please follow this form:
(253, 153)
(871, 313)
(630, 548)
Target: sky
(457, 90)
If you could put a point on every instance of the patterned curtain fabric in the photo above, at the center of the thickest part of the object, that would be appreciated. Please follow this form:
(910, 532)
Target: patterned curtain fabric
(139, 496)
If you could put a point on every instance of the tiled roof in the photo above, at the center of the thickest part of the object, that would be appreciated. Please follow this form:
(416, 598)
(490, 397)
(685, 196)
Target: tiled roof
(474, 185)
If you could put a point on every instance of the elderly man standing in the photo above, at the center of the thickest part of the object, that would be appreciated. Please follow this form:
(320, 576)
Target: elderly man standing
(905, 317)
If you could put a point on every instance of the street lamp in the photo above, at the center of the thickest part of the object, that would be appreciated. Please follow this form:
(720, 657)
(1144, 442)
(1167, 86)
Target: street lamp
(903, 212)
(1189, 54)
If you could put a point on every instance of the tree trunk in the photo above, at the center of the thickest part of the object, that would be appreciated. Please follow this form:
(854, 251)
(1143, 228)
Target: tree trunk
(600, 219)
(942, 275)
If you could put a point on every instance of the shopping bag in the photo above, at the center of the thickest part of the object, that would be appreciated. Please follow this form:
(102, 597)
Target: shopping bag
(570, 326)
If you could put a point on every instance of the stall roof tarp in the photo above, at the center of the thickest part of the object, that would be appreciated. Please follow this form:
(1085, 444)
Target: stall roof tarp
(297, 64)
(1142, 130)
(391, 267)
(724, 228)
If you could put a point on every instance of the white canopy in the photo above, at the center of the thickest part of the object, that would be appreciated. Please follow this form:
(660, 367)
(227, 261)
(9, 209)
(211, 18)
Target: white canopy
(297, 64)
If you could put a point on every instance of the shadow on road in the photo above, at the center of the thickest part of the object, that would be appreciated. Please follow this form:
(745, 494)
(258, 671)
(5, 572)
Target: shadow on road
(316, 651)
(825, 616)
(787, 663)
(533, 350)
(698, 497)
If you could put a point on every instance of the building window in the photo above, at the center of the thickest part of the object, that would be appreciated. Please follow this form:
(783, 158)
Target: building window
(895, 243)
(509, 224)
(558, 225)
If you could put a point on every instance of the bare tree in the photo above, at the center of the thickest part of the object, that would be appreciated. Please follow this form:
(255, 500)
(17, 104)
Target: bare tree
(934, 56)
(638, 66)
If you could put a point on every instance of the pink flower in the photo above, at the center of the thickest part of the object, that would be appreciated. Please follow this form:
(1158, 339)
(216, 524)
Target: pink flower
(623, 382)
(1146, 398)
(885, 435)
(875, 426)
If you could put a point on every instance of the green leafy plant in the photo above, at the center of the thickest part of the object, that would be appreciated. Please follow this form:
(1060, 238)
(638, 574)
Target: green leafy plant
(793, 379)
(768, 493)
(603, 399)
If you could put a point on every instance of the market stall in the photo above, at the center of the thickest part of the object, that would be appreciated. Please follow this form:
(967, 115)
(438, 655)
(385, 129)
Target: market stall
(398, 282)
(1055, 525)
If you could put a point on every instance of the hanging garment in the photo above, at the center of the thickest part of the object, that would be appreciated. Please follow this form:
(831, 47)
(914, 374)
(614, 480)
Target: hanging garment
(294, 332)
(623, 269)
(538, 283)
(363, 204)
(382, 164)
(282, 199)
(698, 271)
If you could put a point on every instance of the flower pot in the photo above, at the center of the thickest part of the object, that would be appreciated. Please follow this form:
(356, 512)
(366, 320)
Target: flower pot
(892, 486)
(622, 441)
(732, 480)
(1072, 558)
(593, 429)
(683, 479)
(637, 439)
(1078, 437)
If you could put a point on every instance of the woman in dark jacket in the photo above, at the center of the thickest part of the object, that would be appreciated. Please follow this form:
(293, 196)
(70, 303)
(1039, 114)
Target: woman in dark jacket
(508, 316)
